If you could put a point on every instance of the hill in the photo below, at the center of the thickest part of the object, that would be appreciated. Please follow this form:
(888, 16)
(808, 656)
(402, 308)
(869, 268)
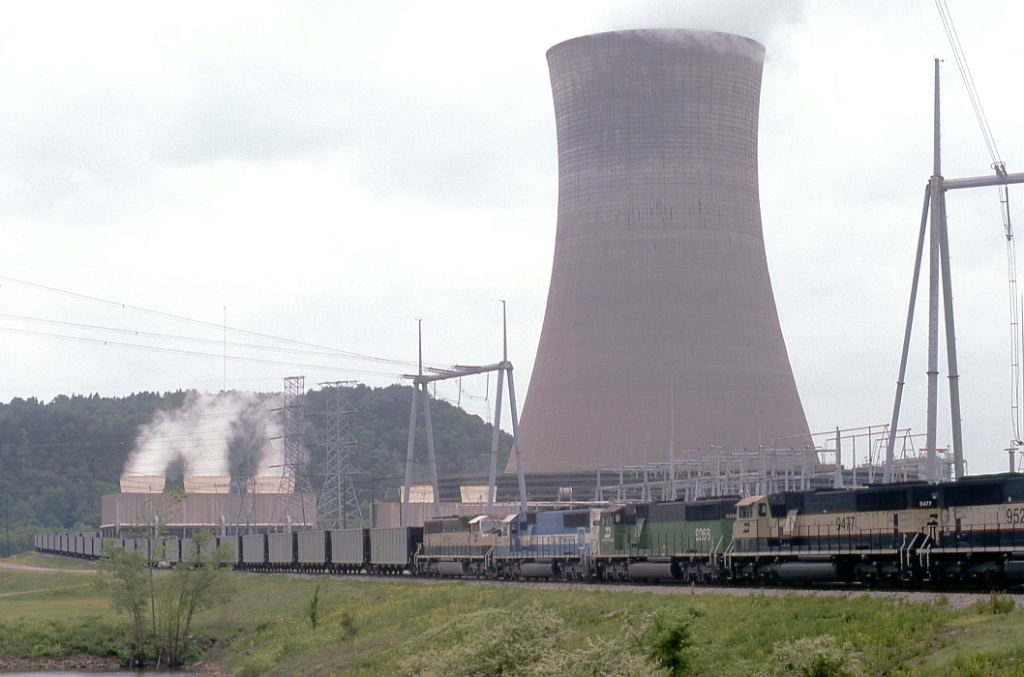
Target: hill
(59, 457)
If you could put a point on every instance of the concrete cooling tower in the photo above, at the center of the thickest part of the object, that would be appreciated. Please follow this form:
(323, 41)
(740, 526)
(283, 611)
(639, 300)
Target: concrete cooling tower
(660, 313)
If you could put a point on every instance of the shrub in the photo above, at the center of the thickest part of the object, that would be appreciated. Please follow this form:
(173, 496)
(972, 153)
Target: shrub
(529, 643)
(997, 603)
(599, 658)
(509, 648)
(666, 638)
(820, 656)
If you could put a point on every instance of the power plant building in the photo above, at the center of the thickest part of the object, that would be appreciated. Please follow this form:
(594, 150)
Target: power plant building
(660, 322)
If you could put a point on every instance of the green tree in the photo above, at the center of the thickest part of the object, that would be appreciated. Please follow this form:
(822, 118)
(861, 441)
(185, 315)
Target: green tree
(199, 582)
(161, 608)
(123, 576)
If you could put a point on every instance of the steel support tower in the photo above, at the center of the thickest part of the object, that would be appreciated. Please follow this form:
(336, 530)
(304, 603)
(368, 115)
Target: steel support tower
(338, 507)
(934, 224)
(294, 476)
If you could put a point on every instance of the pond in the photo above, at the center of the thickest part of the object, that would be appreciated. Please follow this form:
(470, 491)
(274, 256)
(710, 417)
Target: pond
(100, 673)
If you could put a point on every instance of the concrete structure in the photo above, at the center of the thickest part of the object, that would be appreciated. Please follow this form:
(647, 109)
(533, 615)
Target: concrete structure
(143, 484)
(128, 513)
(206, 485)
(660, 315)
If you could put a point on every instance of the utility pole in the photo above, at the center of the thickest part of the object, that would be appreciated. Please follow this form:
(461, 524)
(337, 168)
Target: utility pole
(940, 279)
(420, 383)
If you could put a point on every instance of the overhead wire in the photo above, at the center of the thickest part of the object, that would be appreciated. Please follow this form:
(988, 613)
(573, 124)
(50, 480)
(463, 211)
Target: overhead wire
(175, 337)
(1004, 207)
(965, 73)
(193, 353)
(202, 323)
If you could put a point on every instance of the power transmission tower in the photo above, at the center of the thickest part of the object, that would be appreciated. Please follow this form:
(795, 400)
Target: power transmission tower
(245, 485)
(293, 505)
(338, 507)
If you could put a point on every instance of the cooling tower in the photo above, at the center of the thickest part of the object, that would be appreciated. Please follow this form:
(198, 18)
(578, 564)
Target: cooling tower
(660, 313)
(207, 485)
(142, 484)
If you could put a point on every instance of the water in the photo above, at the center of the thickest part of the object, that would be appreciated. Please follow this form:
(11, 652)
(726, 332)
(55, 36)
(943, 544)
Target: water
(99, 673)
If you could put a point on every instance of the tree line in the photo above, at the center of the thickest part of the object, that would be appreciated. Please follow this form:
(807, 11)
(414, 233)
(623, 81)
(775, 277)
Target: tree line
(58, 458)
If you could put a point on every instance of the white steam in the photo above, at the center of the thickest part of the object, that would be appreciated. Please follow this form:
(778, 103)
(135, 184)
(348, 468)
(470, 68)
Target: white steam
(755, 19)
(208, 435)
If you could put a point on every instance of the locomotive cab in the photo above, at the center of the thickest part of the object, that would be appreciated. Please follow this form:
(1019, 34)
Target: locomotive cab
(754, 523)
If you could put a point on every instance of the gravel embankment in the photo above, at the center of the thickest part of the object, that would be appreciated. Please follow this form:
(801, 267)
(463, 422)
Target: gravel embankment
(955, 599)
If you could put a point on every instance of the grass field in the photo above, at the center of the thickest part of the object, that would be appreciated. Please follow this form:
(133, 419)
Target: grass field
(373, 627)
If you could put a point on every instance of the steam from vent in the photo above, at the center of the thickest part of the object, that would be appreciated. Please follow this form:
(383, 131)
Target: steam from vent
(762, 21)
(210, 435)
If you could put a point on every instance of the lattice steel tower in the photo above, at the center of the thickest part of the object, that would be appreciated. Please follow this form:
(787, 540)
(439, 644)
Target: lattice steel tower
(338, 507)
(294, 476)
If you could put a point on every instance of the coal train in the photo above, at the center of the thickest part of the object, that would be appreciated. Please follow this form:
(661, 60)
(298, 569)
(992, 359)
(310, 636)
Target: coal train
(956, 534)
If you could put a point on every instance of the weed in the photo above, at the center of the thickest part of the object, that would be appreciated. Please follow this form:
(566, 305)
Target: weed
(312, 610)
(997, 603)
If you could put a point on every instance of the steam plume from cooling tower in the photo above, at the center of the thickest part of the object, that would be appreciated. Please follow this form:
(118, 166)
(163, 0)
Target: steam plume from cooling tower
(209, 435)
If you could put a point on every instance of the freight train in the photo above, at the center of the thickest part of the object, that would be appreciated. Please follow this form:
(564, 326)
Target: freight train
(957, 534)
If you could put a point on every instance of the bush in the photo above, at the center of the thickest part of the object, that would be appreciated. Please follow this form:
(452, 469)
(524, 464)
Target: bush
(820, 656)
(509, 648)
(599, 658)
(529, 643)
(997, 603)
(162, 609)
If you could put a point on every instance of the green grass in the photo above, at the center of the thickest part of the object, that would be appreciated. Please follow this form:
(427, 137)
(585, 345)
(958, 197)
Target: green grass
(371, 626)
(38, 559)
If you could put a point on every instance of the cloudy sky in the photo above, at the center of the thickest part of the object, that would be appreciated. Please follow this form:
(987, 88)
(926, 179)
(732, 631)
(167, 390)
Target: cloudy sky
(327, 173)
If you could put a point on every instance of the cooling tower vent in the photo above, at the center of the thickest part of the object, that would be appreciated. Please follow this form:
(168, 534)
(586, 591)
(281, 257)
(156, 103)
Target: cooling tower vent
(270, 485)
(143, 484)
(207, 485)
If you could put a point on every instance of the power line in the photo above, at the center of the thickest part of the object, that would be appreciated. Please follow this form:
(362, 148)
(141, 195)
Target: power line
(175, 337)
(194, 353)
(202, 323)
(965, 73)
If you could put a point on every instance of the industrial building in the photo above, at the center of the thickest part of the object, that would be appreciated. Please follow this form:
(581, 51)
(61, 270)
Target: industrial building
(206, 504)
(661, 352)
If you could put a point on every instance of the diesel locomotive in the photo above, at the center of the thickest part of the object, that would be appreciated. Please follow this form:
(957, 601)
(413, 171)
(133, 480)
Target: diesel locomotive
(956, 534)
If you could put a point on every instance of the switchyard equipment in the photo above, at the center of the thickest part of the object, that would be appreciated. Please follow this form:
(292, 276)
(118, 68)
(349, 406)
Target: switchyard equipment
(934, 222)
(420, 383)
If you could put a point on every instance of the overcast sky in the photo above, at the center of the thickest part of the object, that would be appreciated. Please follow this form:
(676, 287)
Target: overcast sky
(330, 172)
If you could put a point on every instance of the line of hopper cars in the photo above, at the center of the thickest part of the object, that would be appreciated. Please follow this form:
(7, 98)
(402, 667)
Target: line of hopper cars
(964, 533)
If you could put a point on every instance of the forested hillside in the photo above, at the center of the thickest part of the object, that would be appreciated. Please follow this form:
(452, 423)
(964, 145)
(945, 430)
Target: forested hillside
(58, 458)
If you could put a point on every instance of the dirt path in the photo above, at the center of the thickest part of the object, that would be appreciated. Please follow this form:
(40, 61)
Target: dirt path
(25, 567)
(29, 592)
